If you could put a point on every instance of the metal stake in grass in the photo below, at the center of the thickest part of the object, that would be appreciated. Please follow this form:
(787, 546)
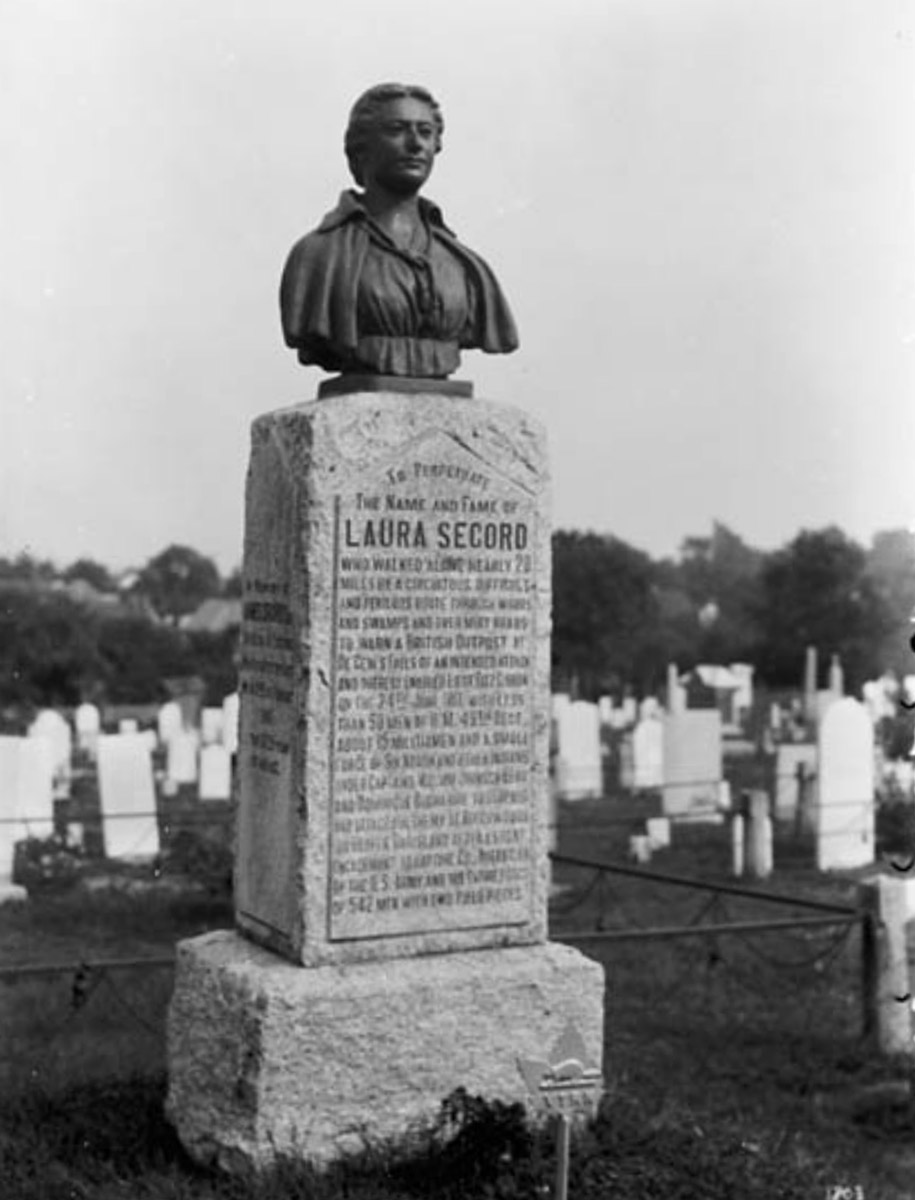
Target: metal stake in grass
(567, 1086)
(563, 1141)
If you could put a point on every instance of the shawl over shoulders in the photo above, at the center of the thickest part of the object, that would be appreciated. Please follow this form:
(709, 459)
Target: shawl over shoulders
(319, 286)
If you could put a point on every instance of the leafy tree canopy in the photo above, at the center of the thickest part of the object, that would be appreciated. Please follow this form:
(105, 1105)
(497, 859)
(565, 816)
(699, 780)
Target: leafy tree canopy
(178, 580)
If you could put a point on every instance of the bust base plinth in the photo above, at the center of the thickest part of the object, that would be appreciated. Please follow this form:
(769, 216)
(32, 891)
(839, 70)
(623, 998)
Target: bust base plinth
(409, 385)
(268, 1059)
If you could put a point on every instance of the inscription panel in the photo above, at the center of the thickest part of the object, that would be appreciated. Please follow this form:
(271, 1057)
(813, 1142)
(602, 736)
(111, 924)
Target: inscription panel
(431, 822)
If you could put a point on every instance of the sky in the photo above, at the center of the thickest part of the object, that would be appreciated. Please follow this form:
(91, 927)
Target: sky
(702, 213)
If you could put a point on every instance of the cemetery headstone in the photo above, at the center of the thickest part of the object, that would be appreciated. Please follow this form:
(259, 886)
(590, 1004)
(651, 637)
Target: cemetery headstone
(578, 764)
(640, 848)
(845, 794)
(55, 728)
(127, 796)
(810, 684)
(183, 750)
(836, 677)
(26, 802)
(648, 754)
(658, 831)
(88, 722)
(215, 773)
(692, 764)
(170, 721)
(128, 725)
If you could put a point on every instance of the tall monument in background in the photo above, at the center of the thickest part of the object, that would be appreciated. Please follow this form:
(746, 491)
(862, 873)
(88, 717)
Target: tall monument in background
(391, 870)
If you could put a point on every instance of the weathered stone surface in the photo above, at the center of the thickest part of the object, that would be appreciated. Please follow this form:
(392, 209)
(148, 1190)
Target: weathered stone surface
(268, 1058)
(393, 757)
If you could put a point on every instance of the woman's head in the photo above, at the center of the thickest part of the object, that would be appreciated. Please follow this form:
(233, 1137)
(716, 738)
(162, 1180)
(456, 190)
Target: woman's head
(368, 113)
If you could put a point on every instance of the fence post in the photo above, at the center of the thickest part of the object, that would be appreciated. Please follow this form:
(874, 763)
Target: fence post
(886, 995)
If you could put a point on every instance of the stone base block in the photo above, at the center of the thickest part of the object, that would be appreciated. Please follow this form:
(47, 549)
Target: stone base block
(12, 893)
(267, 1058)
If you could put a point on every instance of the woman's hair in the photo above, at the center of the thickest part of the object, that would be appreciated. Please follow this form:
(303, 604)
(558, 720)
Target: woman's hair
(366, 111)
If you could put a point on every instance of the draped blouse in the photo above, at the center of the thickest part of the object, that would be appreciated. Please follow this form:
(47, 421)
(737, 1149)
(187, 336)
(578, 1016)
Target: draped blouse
(352, 300)
(412, 308)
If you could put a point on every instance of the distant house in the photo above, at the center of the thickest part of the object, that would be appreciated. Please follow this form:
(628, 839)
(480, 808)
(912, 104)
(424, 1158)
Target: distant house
(215, 615)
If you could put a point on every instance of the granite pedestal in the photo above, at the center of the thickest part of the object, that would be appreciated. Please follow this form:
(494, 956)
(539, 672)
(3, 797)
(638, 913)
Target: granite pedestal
(391, 859)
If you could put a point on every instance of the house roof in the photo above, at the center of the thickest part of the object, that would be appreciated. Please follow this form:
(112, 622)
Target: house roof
(213, 616)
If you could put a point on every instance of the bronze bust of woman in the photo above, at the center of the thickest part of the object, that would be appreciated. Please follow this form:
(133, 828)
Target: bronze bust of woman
(382, 286)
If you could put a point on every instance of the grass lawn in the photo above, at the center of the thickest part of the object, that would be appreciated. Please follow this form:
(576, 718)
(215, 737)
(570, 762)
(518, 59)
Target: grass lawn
(734, 1066)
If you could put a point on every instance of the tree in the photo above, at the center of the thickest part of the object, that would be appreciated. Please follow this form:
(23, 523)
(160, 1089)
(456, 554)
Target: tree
(178, 580)
(91, 572)
(25, 568)
(137, 656)
(816, 591)
(891, 570)
(48, 649)
(605, 614)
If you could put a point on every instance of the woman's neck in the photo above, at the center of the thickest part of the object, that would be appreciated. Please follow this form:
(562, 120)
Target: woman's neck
(399, 216)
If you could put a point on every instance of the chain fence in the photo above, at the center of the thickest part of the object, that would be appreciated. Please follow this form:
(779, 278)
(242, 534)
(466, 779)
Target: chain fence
(691, 960)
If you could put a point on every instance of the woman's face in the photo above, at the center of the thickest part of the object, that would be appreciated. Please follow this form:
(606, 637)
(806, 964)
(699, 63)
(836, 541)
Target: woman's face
(399, 152)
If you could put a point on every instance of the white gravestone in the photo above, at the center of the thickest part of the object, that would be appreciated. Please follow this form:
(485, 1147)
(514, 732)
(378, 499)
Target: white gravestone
(9, 833)
(648, 754)
(658, 831)
(56, 729)
(215, 773)
(181, 760)
(26, 801)
(845, 796)
(127, 796)
(128, 725)
(170, 721)
(692, 763)
(578, 764)
(88, 721)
